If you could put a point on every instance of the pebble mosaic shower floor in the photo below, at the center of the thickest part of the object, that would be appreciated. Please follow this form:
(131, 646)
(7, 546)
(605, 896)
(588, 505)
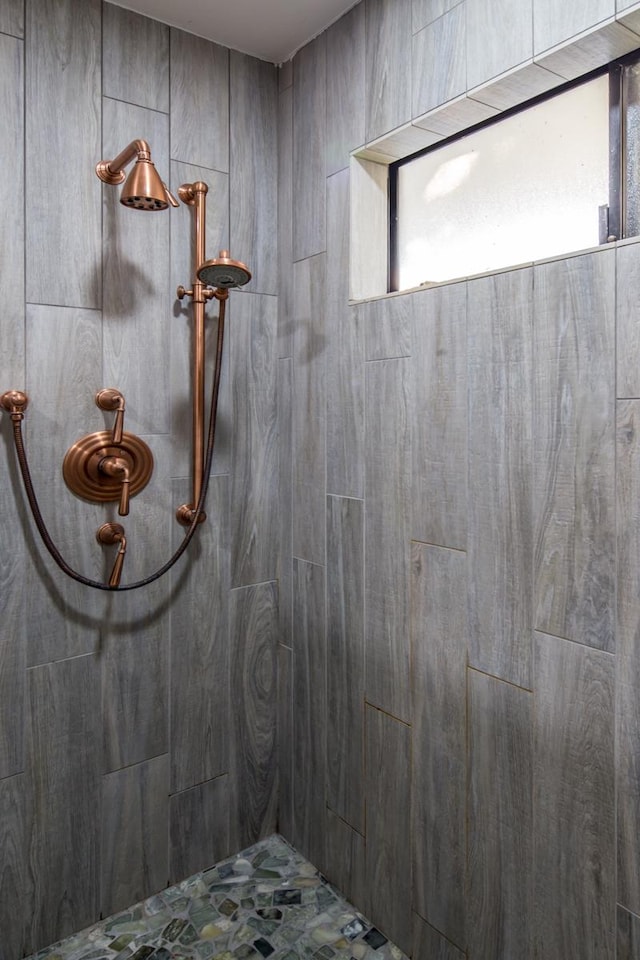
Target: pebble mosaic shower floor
(267, 901)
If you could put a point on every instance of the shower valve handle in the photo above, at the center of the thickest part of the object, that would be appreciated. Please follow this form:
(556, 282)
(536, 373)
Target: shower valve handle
(111, 399)
(108, 534)
(119, 468)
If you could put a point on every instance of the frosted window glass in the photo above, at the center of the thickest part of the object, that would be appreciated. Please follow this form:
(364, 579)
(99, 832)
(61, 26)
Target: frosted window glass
(522, 189)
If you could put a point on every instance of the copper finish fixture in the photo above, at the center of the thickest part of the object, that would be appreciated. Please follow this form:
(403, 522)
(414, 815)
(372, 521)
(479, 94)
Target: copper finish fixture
(144, 190)
(108, 465)
(100, 471)
(223, 272)
(113, 465)
(14, 402)
(107, 535)
(194, 195)
(111, 399)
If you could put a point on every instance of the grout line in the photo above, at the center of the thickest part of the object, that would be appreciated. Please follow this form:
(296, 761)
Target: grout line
(63, 306)
(312, 563)
(200, 783)
(249, 586)
(439, 932)
(102, 633)
(136, 763)
(391, 716)
(49, 663)
(578, 643)
(346, 822)
(616, 569)
(439, 546)
(492, 676)
(172, 580)
(132, 103)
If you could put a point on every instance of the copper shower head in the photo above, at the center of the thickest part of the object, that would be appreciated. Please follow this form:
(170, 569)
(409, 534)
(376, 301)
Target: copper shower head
(144, 190)
(223, 273)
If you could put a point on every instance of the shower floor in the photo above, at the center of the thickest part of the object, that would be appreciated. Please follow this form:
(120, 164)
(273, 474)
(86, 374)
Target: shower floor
(267, 901)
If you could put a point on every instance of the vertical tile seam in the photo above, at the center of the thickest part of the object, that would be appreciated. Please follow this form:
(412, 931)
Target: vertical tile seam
(465, 25)
(466, 879)
(532, 513)
(412, 77)
(294, 658)
(366, 388)
(412, 700)
(102, 633)
(289, 546)
(616, 567)
(172, 483)
(26, 59)
(532, 586)
(24, 195)
(467, 710)
(231, 768)
(365, 764)
(366, 20)
(26, 559)
(363, 542)
(325, 739)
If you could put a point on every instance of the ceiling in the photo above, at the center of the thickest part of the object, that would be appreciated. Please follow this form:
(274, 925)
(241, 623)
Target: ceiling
(268, 29)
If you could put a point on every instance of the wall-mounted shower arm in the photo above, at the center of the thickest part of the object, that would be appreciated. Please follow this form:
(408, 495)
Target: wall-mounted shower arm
(112, 171)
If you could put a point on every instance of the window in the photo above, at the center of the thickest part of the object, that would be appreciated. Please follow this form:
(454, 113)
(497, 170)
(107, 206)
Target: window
(543, 180)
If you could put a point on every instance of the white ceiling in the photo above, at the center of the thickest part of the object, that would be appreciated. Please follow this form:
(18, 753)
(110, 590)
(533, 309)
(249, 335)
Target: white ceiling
(268, 29)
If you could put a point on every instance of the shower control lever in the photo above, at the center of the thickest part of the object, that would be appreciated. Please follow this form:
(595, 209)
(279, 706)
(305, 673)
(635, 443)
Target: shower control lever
(118, 468)
(111, 399)
(108, 534)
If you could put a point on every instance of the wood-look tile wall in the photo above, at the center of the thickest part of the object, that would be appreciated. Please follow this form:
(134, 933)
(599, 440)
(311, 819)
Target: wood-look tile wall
(121, 748)
(422, 508)
(479, 541)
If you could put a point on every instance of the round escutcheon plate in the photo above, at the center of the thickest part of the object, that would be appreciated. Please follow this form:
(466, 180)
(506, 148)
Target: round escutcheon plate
(81, 466)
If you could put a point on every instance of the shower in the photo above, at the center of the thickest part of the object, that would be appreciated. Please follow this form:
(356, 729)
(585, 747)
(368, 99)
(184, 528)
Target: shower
(114, 465)
(223, 273)
(143, 190)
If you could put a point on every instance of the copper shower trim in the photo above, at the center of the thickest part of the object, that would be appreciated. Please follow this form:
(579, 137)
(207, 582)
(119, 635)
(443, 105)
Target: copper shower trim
(231, 273)
(144, 190)
(108, 535)
(108, 465)
(115, 465)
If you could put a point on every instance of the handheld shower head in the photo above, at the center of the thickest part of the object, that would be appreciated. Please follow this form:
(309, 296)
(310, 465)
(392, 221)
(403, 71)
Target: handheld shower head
(223, 273)
(144, 190)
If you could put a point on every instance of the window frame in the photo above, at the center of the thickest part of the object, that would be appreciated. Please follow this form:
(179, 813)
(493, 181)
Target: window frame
(614, 218)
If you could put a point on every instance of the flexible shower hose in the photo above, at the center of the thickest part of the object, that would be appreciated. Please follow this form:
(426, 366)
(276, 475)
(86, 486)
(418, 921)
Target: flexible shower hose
(42, 528)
